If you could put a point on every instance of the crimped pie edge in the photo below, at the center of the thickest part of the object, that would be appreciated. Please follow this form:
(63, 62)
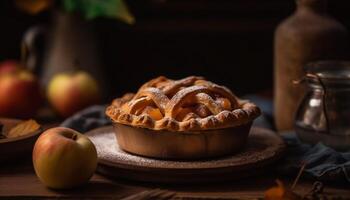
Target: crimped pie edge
(246, 113)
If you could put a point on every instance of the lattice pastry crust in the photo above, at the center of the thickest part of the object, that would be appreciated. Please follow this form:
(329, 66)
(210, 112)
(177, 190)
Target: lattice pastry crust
(189, 104)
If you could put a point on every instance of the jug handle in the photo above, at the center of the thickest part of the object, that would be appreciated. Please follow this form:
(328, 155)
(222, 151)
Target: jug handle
(324, 99)
(33, 47)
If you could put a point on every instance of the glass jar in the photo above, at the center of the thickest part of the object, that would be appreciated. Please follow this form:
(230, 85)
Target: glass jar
(324, 113)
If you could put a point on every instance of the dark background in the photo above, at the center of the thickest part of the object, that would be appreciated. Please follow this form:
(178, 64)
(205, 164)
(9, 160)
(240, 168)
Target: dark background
(227, 41)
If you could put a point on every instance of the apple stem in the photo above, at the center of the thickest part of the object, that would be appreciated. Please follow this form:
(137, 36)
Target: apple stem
(24, 54)
(74, 136)
(76, 65)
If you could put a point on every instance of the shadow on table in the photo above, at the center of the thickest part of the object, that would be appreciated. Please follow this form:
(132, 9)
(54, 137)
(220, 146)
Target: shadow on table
(98, 188)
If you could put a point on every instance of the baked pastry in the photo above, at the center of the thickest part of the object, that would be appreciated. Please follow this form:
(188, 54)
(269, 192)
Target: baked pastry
(191, 105)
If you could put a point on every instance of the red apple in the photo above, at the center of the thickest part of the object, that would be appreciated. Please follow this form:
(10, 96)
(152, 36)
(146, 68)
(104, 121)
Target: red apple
(20, 95)
(64, 158)
(9, 66)
(71, 92)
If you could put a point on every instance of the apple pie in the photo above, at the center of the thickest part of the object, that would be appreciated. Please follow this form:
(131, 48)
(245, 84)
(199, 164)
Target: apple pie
(190, 106)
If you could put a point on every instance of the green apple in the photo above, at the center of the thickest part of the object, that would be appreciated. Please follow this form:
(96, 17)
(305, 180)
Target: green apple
(64, 158)
(71, 92)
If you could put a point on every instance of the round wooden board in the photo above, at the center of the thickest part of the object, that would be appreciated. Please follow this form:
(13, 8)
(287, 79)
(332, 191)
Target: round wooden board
(263, 148)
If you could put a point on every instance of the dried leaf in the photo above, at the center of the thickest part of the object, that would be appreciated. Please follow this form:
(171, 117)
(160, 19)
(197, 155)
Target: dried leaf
(280, 192)
(34, 7)
(23, 128)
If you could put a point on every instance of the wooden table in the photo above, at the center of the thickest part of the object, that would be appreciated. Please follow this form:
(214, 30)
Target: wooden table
(18, 181)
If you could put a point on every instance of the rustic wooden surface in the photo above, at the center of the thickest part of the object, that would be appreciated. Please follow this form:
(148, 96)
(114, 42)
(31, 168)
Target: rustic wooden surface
(18, 181)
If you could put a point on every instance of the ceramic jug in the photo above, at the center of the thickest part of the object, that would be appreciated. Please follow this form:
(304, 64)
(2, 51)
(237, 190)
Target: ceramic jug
(68, 41)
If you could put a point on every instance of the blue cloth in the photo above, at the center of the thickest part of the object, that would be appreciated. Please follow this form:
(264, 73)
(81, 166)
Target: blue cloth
(322, 163)
(87, 119)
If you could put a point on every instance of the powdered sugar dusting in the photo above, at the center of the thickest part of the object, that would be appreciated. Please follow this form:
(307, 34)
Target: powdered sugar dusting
(261, 146)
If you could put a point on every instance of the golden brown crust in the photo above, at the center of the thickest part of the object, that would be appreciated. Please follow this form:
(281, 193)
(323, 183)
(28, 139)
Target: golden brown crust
(189, 104)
